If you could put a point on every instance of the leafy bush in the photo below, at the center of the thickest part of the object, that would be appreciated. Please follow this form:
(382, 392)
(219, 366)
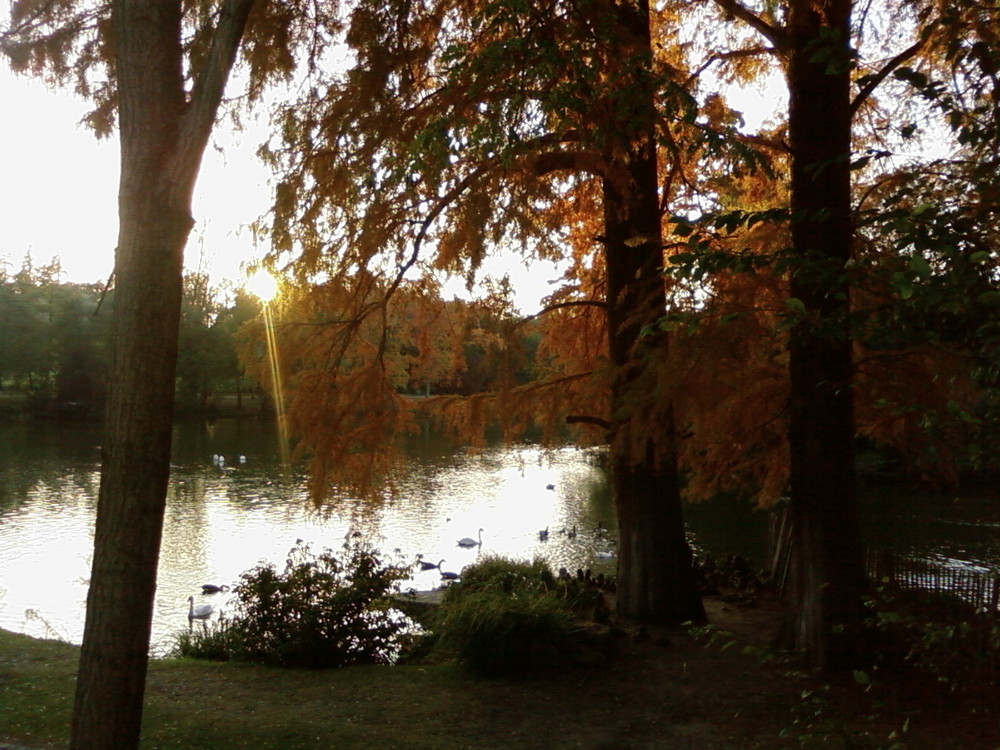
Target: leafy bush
(508, 617)
(321, 612)
(938, 634)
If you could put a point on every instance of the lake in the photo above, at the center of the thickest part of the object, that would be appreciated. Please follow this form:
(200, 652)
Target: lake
(226, 515)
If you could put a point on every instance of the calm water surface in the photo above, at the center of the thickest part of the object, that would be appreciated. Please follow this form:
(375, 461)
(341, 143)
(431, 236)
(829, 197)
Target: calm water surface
(222, 520)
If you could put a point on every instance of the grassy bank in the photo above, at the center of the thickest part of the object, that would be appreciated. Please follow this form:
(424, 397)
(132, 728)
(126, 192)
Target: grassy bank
(193, 704)
(674, 692)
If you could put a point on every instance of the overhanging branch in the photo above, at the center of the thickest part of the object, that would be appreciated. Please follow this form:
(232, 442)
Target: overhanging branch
(773, 34)
(874, 80)
(587, 419)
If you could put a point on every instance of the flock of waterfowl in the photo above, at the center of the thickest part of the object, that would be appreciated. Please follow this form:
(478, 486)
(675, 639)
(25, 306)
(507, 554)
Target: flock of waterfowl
(543, 536)
(204, 611)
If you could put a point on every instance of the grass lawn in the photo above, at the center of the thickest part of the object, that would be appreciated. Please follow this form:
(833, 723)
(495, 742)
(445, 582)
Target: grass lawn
(665, 690)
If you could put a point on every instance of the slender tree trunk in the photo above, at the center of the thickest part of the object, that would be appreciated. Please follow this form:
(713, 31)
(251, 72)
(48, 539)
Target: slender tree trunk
(655, 574)
(162, 139)
(827, 574)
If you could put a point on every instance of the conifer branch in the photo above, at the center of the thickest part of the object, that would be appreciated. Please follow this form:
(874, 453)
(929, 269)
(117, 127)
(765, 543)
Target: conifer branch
(587, 162)
(587, 419)
(773, 34)
(562, 305)
(732, 55)
(873, 81)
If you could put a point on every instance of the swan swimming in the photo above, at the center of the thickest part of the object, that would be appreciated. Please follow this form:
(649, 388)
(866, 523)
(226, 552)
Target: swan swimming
(470, 542)
(200, 612)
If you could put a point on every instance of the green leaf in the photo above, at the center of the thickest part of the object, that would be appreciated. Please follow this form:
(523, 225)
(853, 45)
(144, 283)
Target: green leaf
(902, 285)
(861, 677)
(989, 299)
(795, 305)
(920, 266)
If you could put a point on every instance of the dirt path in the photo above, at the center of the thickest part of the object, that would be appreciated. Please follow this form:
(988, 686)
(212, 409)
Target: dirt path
(671, 691)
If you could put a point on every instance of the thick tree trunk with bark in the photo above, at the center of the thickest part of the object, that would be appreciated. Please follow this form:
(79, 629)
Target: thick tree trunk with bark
(655, 573)
(827, 573)
(163, 136)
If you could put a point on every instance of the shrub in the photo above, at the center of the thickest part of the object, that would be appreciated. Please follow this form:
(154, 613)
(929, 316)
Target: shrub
(939, 635)
(507, 617)
(321, 612)
(497, 572)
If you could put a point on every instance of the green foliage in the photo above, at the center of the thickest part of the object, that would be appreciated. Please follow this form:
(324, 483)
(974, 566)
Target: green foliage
(214, 643)
(54, 342)
(497, 573)
(322, 611)
(710, 636)
(939, 635)
(509, 617)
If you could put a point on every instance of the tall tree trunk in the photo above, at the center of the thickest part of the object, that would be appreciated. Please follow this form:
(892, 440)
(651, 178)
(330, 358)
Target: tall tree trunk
(655, 573)
(827, 575)
(162, 140)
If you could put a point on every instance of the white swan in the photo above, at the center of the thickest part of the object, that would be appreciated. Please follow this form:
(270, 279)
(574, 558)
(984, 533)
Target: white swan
(470, 542)
(201, 612)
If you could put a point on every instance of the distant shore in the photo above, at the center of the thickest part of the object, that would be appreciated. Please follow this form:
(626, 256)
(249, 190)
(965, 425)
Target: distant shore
(20, 406)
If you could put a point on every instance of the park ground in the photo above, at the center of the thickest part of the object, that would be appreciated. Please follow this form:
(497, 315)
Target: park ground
(718, 688)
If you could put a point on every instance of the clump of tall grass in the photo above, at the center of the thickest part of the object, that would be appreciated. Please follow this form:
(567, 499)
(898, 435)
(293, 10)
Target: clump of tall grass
(508, 617)
(213, 642)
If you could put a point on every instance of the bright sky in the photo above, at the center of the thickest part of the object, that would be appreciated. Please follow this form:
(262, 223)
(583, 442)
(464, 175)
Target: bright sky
(58, 188)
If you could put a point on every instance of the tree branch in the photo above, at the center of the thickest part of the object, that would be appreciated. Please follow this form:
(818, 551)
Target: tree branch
(562, 305)
(732, 55)
(874, 80)
(586, 419)
(773, 34)
(199, 117)
(545, 163)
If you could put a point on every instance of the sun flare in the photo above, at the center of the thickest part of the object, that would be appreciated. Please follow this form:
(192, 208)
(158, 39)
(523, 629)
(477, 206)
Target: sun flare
(262, 285)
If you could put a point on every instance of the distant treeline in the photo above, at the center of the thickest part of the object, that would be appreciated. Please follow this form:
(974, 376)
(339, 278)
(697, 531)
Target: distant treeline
(54, 344)
(55, 349)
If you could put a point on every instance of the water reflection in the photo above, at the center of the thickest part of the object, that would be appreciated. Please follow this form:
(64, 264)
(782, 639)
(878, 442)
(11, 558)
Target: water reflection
(225, 518)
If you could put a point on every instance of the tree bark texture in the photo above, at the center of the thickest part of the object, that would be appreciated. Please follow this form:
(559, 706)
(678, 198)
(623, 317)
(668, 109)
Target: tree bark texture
(827, 573)
(655, 573)
(163, 136)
